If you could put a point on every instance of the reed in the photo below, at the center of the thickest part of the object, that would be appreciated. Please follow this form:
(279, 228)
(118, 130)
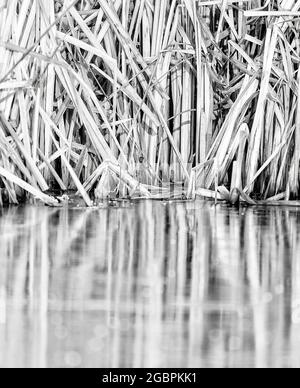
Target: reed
(130, 98)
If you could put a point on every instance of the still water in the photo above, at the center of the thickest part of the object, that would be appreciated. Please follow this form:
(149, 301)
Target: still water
(150, 285)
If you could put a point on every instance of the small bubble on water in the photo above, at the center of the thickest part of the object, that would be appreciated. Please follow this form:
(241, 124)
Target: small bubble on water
(296, 304)
(95, 345)
(146, 293)
(101, 331)
(73, 359)
(235, 344)
(122, 325)
(215, 335)
(296, 316)
(57, 320)
(279, 289)
(267, 298)
(61, 332)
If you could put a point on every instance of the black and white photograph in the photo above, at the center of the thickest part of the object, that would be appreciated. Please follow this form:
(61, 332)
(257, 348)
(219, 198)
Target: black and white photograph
(149, 187)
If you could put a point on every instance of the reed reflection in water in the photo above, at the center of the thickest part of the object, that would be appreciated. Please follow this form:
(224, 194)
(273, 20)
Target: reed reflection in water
(150, 285)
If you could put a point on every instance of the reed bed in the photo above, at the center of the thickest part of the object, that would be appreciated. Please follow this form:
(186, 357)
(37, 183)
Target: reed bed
(123, 98)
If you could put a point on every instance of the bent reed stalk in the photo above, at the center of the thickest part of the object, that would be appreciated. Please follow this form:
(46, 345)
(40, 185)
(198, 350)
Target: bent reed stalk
(150, 98)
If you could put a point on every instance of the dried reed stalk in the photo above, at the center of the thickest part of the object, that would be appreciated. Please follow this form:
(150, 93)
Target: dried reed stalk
(202, 94)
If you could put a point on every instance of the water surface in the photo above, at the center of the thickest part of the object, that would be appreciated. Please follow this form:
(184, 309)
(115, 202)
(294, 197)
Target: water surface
(150, 285)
